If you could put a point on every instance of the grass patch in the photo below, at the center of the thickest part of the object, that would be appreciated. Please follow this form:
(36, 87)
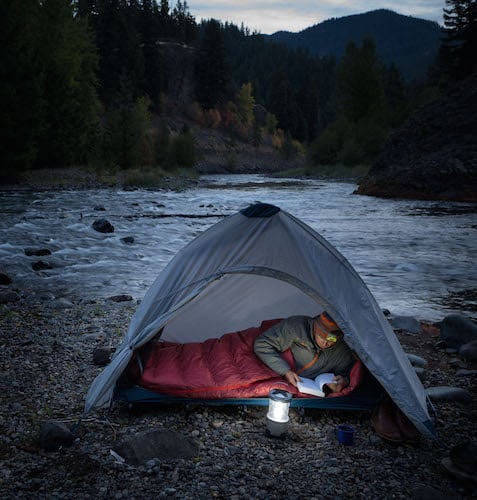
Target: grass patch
(156, 178)
(144, 177)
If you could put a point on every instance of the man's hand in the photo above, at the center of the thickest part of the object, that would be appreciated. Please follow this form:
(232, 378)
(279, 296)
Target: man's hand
(292, 377)
(342, 381)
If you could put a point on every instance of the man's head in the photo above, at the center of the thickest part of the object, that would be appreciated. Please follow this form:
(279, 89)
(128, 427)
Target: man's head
(326, 332)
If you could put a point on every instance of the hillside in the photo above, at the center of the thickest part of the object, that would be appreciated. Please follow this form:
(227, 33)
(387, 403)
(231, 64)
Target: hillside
(167, 92)
(410, 43)
(434, 154)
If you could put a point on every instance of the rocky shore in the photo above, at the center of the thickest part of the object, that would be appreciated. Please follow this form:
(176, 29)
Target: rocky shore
(48, 358)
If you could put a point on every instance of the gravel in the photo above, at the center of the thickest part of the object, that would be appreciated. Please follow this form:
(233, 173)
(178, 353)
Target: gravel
(46, 367)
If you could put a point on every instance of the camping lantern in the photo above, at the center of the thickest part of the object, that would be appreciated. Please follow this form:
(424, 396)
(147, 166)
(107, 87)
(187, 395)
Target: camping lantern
(277, 416)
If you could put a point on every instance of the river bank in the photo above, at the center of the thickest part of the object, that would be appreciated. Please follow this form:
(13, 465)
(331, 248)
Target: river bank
(47, 366)
(85, 178)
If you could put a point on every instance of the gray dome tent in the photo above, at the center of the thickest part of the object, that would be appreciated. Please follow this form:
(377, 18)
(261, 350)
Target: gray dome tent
(264, 263)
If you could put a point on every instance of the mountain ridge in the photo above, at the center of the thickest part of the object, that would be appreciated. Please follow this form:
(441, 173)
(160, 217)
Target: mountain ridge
(409, 42)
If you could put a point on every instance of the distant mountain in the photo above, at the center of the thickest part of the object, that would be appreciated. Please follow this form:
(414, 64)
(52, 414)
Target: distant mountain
(411, 43)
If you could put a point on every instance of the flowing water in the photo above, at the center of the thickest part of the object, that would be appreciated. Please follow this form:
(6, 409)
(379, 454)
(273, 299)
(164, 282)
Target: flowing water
(417, 257)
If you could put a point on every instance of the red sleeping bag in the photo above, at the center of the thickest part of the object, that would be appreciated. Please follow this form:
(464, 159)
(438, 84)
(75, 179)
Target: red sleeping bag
(224, 367)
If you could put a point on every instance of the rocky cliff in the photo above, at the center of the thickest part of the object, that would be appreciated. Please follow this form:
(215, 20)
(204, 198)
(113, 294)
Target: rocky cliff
(434, 155)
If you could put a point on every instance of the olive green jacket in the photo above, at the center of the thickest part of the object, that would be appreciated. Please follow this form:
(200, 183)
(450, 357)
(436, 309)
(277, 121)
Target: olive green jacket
(296, 333)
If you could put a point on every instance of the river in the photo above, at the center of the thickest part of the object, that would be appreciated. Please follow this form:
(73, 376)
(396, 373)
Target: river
(417, 257)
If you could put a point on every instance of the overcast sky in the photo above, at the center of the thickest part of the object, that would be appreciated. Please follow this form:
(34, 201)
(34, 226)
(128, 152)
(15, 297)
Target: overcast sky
(268, 16)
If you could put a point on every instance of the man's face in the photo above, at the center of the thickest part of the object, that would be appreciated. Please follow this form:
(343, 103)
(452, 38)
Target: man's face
(322, 343)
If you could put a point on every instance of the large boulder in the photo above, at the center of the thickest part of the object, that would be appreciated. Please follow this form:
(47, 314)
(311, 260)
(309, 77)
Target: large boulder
(55, 435)
(4, 277)
(449, 393)
(41, 265)
(103, 226)
(37, 252)
(469, 351)
(457, 330)
(434, 154)
(158, 444)
(7, 296)
(406, 323)
(464, 456)
(462, 461)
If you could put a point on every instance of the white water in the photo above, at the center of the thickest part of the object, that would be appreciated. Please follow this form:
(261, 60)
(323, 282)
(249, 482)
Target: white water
(411, 254)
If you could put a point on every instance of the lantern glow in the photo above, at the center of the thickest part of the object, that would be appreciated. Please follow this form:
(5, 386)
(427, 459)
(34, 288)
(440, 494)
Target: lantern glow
(277, 416)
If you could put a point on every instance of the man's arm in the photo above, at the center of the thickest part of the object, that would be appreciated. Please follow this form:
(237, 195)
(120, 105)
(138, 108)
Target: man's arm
(344, 361)
(270, 344)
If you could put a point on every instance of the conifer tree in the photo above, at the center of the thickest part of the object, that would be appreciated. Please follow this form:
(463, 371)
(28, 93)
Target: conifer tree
(69, 87)
(121, 61)
(360, 123)
(149, 29)
(20, 86)
(279, 97)
(212, 70)
(359, 81)
(184, 22)
(165, 28)
(458, 49)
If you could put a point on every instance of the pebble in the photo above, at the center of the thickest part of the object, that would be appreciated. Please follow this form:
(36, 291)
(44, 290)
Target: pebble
(47, 365)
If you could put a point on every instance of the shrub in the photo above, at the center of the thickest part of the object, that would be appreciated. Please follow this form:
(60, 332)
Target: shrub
(182, 151)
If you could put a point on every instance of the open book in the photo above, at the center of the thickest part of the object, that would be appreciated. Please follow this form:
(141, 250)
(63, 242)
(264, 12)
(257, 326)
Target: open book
(315, 387)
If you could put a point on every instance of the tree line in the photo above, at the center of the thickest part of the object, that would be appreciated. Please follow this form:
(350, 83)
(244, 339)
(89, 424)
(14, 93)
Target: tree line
(86, 81)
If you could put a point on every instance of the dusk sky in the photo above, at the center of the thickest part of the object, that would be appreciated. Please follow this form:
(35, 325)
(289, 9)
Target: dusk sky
(269, 16)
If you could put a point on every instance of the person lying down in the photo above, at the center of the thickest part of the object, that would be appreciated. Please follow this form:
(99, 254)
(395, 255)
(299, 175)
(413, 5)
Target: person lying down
(250, 362)
(317, 346)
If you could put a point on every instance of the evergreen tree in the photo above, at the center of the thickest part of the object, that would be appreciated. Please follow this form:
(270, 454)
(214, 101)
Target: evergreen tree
(458, 49)
(359, 82)
(183, 22)
(149, 29)
(86, 8)
(21, 79)
(360, 124)
(164, 9)
(69, 88)
(279, 97)
(212, 70)
(165, 27)
(136, 144)
(126, 140)
(396, 96)
(120, 55)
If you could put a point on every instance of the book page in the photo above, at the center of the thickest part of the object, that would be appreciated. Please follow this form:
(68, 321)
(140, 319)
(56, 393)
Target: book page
(315, 387)
(309, 386)
(324, 378)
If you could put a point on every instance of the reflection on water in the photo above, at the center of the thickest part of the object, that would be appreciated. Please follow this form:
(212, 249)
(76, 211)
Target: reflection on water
(438, 209)
(461, 300)
(415, 256)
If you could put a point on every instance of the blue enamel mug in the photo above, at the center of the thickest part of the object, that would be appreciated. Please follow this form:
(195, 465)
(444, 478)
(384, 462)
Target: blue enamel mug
(345, 434)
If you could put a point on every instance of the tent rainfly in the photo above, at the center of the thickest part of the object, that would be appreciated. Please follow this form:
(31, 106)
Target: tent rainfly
(260, 263)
